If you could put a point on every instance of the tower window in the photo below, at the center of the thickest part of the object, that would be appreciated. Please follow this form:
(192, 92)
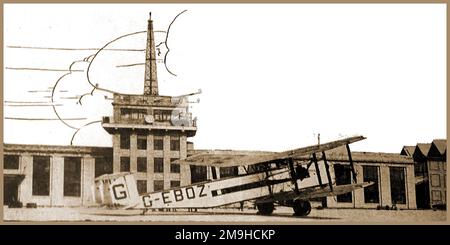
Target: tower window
(141, 186)
(103, 165)
(124, 164)
(162, 115)
(158, 143)
(132, 113)
(158, 185)
(142, 164)
(124, 141)
(174, 143)
(174, 167)
(159, 165)
(142, 142)
(174, 183)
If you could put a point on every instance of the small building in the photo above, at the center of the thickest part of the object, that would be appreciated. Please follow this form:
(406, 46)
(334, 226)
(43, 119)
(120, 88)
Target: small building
(430, 170)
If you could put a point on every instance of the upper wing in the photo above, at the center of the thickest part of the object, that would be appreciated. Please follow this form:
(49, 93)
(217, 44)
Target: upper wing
(229, 159)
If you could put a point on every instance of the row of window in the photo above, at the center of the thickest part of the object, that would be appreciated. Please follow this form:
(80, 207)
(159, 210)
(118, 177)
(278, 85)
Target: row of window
(72, 176)
(158, 142)
(41, 176)
(132, 113)
(158, 165)
(158, 185)
(371, 174)
(135, 114)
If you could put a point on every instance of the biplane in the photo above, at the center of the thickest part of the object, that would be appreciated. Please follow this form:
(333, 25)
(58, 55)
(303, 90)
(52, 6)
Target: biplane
(268, 179)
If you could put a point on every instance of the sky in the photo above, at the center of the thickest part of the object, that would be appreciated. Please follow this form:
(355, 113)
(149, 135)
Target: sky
(272, 76)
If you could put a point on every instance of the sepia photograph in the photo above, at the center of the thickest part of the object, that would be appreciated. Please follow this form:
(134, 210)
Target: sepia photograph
(225, 113)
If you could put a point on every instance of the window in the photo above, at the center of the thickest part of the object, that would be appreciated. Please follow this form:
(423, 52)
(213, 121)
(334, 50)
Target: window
(103, 165)
(435, 180)
(371, 193)
(174, 183)
(174, 167)
(124, 141)
(343, 177)
(159, 165)
(142, 142)
(198, 174)
(132, 113)
(398, 193)
(158, 185)
(72, 176)
(142, 164)
(162, 115)
(174, 143)
(436, 196)
(158, 143)
(434, 166)
(228, 172)
(11, 162)
(141, 186)
(124, 164)
(41, 176)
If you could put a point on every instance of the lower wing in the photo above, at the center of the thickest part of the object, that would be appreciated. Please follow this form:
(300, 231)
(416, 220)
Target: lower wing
(313, 192)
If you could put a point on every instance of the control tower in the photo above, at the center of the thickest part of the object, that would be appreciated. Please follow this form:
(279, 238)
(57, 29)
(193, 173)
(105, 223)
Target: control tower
(150, 131)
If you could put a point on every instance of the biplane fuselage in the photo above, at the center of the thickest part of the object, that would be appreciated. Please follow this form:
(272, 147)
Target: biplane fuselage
(225, 191)
(275, 178)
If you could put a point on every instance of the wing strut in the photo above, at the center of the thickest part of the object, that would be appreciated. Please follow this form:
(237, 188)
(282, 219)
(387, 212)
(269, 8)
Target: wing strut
(351, 164)
(268, 182)
(327, 169)
(293, 175)
(316, 165)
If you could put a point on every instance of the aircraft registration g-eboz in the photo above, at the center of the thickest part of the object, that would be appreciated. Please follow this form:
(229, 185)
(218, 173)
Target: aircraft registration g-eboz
(269, 179)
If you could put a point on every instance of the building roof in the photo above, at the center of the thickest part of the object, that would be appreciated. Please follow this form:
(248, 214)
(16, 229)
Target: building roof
(408, 150)
(231, 152)
(58, 149)
(371, 157)
(441, 145)
(424, 148)
(337, 154)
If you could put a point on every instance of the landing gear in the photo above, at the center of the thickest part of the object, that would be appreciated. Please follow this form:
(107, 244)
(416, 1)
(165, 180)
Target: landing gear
(265, 208)
(301, 208)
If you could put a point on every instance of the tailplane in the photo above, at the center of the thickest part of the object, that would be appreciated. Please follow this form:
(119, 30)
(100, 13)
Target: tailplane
(118, 190)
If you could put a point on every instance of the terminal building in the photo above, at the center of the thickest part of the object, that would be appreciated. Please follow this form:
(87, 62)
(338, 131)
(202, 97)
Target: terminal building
(150, 131)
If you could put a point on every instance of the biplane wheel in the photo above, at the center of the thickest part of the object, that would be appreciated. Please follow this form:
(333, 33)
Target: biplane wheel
(301, 208)
(265, 208)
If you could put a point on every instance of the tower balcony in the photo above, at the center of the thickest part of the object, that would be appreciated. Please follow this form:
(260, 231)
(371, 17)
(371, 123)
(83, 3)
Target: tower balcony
(186, 124)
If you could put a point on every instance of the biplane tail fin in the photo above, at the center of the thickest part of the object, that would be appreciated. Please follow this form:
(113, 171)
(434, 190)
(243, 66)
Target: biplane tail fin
(118, 190)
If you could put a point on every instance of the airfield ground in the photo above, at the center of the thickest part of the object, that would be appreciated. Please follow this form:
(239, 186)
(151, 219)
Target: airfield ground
(249, 216)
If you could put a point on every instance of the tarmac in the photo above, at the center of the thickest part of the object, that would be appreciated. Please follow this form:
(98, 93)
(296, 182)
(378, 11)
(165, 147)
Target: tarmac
(281, 215)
